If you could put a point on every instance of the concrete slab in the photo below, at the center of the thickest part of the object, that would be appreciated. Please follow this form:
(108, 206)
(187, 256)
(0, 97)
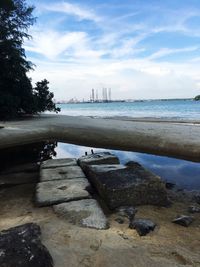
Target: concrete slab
(86, 213)
(130, 185)
(61, 173)
(54, 163)
(97, 159)
(55, 192)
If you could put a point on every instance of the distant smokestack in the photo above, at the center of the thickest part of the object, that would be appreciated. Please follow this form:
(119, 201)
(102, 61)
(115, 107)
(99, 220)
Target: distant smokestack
(106, 94)
(103, 94)
(96, 95)
(92, 95)
(109, 94)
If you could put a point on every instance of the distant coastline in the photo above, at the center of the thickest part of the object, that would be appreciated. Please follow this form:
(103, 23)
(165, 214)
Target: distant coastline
(75, 101)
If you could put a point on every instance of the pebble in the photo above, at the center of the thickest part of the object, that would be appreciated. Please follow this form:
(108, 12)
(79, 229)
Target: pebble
(183, 220)
(142, 226)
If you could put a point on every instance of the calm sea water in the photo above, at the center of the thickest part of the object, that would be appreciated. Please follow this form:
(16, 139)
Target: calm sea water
(176, 109)
(185, 174)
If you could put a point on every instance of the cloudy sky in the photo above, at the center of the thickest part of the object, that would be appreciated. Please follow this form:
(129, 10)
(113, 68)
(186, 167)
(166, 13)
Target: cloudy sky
(140, 48)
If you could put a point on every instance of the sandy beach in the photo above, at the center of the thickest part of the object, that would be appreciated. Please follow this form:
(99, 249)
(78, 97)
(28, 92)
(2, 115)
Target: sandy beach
(74, 246)
(169, 245)
(168, 138)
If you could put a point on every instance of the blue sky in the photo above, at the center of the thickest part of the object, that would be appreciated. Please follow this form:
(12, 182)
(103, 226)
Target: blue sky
(141, 49)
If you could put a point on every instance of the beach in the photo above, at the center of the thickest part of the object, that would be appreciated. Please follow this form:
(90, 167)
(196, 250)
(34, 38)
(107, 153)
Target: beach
(74, 246)
(70, 245)
(169, 138)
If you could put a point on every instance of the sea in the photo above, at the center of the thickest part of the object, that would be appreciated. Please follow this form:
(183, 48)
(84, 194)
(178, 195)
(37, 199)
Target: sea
(165, 109)
(184, 174)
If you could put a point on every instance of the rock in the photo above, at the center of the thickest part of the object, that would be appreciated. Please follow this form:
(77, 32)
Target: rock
(121, 185)
(97, 159)
(170, 185)
(127, 211)
(142, 226)
(183, 220)
(197, 198)
(61, 173)
(55, 192)
(54, 163)
(21, 247)
(119, 220)
(86, 213)
(194, 209)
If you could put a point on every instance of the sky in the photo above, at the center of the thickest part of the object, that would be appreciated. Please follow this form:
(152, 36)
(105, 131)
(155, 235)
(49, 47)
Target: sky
(141, 49)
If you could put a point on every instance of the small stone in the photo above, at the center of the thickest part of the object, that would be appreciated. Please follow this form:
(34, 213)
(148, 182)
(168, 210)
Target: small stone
(21, 247)
(197, 198)
(127, 211)
(170, 185)
(119, 220)
(183, 220)
(194, 209)
(142, 226)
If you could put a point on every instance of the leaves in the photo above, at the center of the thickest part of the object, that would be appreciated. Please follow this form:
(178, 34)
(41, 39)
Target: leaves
(17, 95)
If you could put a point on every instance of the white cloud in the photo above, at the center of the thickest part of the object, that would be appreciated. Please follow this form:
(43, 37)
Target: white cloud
(71, 9)
(51, 43)
(167, 51)
(76, 61)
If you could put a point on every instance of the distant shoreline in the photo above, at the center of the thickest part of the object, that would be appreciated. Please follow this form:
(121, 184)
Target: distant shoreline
(123, 101)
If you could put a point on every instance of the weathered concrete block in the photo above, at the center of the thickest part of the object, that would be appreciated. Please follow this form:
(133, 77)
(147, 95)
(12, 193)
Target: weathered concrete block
(54, 163)
(131, 185)
(97, 159)
(61, 173)
(55, 192)
(86, 213)
(21, 247)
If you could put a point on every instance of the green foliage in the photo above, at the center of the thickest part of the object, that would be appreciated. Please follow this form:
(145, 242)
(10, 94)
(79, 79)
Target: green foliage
(16, 93)
(43, 98)
(197, 98)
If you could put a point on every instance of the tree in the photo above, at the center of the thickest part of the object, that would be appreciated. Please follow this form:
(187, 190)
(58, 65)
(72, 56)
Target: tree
(16, 92)
(197, 98)
(43, 98)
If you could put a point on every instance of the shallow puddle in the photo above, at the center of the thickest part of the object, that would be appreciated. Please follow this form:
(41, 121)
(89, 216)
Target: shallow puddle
(185, 174)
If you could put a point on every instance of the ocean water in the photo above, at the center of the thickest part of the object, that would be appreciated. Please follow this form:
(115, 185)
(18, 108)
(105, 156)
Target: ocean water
(184, 174)
(176, 109)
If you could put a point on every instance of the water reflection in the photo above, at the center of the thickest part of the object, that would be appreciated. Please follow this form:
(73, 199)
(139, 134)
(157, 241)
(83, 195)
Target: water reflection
(184, 174)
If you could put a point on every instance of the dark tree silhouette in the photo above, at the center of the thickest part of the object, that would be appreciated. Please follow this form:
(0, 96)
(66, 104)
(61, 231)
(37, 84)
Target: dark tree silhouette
(17, 96)
(197, 98)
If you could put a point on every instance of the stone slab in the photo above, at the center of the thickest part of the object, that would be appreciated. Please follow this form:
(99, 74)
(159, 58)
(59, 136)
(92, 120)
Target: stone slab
(54, 163)
(61, 173)
(55, 192)
(97, 159)
(131, 185)
(86, 213)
